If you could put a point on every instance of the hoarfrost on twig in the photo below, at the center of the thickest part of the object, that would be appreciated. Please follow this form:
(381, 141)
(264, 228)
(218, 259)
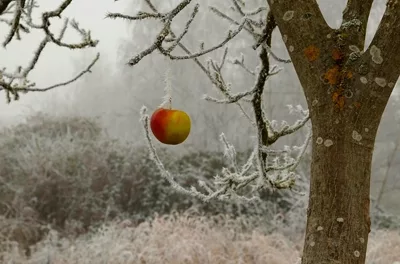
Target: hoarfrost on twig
(265, 167)
(22, 21)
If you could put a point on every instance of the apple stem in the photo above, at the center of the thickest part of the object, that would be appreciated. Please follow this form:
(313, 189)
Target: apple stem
(168, 85)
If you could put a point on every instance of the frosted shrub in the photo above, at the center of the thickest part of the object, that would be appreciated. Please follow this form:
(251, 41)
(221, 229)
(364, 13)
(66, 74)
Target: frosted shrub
(64, 171)
(185, 238)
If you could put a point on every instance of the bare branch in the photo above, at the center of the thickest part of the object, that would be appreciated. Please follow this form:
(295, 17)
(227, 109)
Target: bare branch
(231, 35)
(222, 63)
(139, 16)
(177, 42)
(242, 13)
(15, 23)
(232, 21)
(240, 62)
(221, 193)
(167, 18)
(231, 98)
(87, 40)
(31, 88)
(185, 30)
(275, 56)
(63, 29)
(23, 12)
(221, 85)
(229, 183)
(157, 43)
(150, 4)
(382, 54)
(257, 171)
(287, 129)
(256, 12)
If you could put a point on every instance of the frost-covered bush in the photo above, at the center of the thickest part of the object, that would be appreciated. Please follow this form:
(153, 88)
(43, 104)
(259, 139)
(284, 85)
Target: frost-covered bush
(64, 171)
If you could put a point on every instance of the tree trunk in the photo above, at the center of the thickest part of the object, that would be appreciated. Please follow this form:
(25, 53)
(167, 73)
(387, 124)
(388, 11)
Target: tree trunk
(347, 88)
(338, 220)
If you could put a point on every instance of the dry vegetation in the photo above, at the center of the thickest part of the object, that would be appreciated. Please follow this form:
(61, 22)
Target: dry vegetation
(69, 194)
(183, 239)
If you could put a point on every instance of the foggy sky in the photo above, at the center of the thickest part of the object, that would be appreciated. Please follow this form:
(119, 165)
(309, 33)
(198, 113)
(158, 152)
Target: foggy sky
(57, 64)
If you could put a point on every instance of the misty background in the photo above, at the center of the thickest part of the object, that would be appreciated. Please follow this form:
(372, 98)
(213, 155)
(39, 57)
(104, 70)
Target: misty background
(114, 92)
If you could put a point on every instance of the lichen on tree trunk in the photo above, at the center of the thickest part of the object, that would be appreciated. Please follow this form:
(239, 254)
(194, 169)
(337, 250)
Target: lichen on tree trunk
(338, 221)
(347, 88)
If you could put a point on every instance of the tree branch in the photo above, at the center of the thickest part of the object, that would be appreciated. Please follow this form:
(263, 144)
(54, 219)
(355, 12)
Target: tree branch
(257, 171)
(231, 35)
(357, 13)
(382, 57)
(87, 41)
(231, 20)
(15, 82)
(139, 16)
(31, 88)
(302, 26)
(15, 22)
(232, 181)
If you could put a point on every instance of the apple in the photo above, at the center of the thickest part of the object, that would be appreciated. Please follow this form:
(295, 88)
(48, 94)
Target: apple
(170, 126)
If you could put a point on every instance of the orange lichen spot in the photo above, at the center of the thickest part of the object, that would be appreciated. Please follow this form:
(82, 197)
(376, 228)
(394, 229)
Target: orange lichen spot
(340, 102)
(311, 53)
(332, 75)
(335, 96)
(338, 98)
(349, 75)
(337, 54)
(357, 105)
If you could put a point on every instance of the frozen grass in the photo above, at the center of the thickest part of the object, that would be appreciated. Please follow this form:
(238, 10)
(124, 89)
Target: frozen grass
(179, 239)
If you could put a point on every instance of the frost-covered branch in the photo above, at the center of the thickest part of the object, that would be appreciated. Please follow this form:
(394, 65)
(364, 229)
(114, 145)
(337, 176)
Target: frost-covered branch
(30, 87)
(230, 36)
(285, 128)
(233, 21)
(15, 22)
(162, 35)
(262, 169)
(167, 35)
(279, 172)
(177, 40)
(139, 16)
(22, 19)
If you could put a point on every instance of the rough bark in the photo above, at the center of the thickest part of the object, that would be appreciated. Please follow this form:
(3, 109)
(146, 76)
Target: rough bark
(347, 91)
(357, 10)
(338, 215)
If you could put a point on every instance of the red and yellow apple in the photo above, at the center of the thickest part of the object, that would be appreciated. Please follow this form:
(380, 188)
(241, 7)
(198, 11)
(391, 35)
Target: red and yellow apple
(170, 126)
